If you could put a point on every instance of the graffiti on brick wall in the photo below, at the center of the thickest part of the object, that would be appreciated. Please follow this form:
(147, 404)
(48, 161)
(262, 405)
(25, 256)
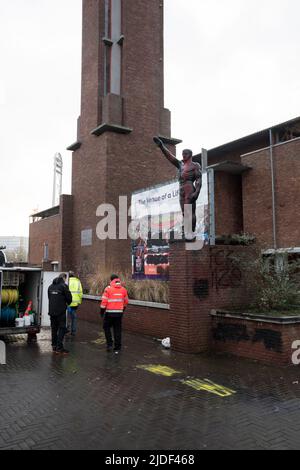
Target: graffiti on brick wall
(271, 339)
(201, 288)
(229, 332)
(225, 272)
(224, 332)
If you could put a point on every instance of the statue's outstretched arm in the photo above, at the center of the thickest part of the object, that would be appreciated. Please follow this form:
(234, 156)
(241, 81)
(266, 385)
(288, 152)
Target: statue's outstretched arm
(172, 159)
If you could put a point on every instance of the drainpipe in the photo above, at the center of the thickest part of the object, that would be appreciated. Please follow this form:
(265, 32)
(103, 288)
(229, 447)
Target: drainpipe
(211, 199)
(106, 19)
(273, 191)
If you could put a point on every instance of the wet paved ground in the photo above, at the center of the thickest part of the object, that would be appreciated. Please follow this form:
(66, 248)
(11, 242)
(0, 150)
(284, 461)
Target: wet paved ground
(146, 398)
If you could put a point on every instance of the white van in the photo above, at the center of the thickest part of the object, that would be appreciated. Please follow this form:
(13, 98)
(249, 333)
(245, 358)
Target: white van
(18, 287)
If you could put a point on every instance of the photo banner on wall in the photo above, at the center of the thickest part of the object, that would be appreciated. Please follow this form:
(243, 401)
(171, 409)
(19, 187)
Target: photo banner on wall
(157, 218)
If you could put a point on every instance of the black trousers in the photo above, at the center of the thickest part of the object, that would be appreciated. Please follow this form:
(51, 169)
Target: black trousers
(113, 321)
(58, 328)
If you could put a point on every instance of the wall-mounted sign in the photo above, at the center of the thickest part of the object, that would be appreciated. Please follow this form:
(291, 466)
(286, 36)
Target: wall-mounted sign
(87, 237)
(158, 218)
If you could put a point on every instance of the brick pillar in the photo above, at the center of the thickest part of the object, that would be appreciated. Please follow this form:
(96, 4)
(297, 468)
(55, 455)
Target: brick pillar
(122, 108)
(199, 282)
(66, 212)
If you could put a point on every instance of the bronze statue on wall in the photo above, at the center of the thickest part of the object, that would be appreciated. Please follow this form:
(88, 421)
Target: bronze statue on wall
(189, 177)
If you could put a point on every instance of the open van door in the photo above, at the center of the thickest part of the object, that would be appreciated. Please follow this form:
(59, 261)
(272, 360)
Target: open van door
(47, 279)
(1, 281)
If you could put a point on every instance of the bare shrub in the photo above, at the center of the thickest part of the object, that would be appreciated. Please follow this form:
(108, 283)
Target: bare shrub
(144, 290)
(273, 286)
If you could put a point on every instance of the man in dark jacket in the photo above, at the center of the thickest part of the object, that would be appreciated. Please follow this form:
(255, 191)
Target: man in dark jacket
(59, 298)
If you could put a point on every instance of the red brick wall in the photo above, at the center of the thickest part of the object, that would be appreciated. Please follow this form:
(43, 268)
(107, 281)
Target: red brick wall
(265, 342)
(257, 195)
(234, 153)
(56, 231)
(45, 231)
(92, 50)
(142, 65)
(228, 187)
(248, 206)
(287, 170)
(147, 321)
(228, 203)
(199, 282)
(88, 189)
(66, 213)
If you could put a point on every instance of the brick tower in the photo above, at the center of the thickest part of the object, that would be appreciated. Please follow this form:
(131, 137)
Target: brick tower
(122, 108)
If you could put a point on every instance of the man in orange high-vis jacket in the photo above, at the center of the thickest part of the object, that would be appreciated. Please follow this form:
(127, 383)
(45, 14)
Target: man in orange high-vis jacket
(113, 304)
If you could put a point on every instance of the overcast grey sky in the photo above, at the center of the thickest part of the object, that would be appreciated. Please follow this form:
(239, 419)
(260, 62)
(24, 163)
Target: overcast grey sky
(231, 68)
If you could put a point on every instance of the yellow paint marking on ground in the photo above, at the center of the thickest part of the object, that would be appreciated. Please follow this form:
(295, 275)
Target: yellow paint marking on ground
(208, 386)
(159, 370)
(101, 340)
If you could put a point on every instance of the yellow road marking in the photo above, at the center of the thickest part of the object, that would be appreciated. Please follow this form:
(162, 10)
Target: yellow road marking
(101, 340)
(208, 386)
(197, 384)
(159, 370)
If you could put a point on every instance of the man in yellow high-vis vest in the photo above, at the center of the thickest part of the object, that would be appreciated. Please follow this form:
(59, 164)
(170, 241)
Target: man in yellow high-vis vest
(77, 293)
